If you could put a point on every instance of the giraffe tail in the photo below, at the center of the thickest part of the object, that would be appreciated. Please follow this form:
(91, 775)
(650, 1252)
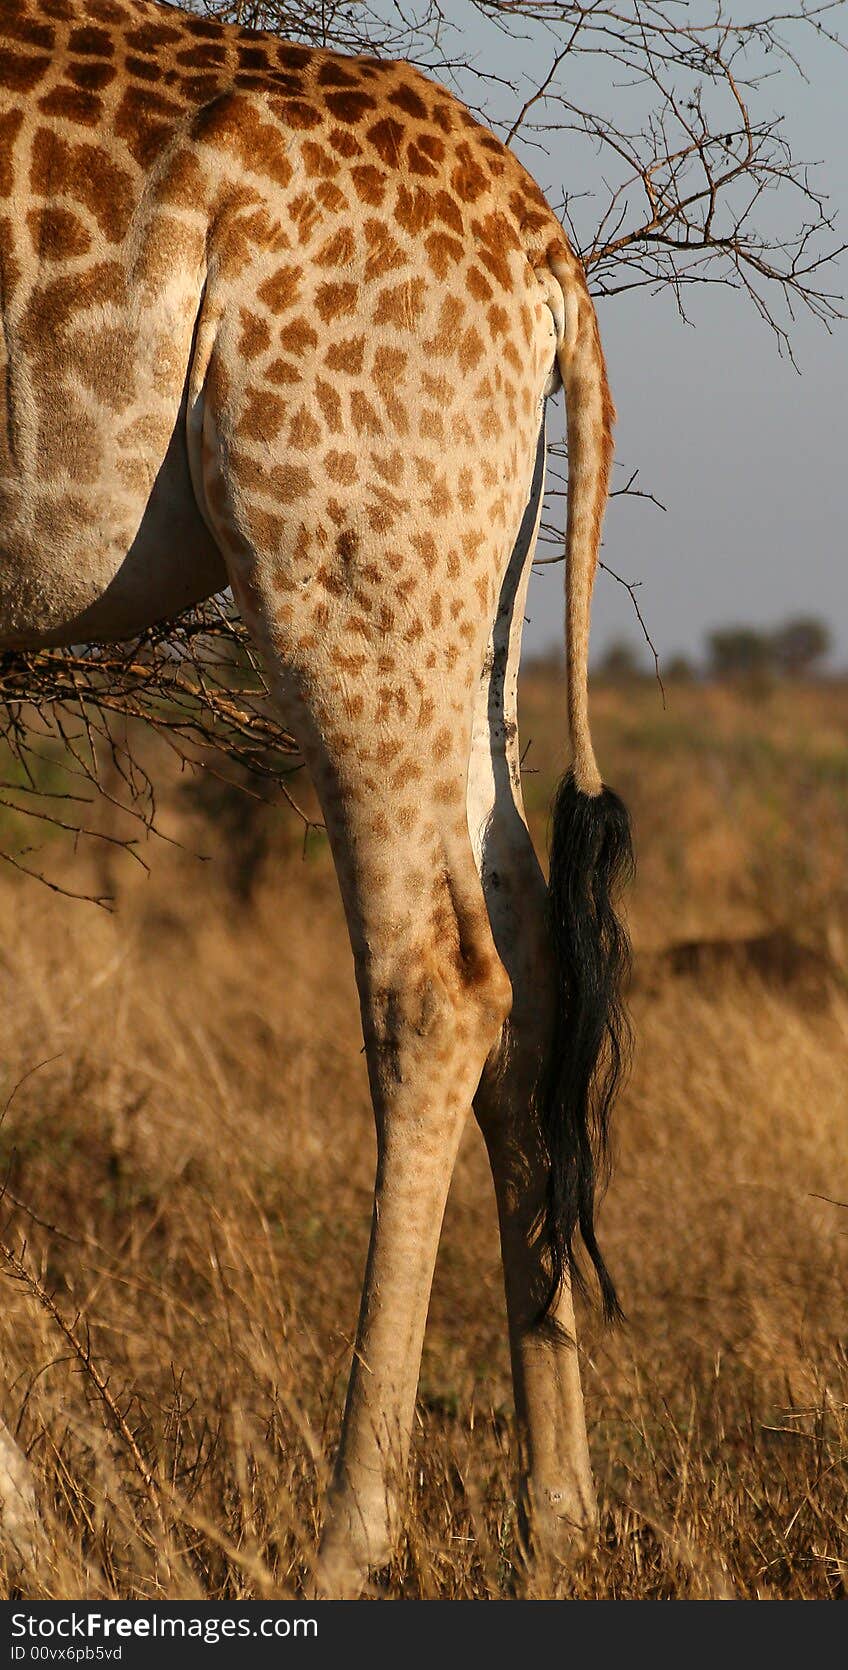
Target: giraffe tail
(591, 853)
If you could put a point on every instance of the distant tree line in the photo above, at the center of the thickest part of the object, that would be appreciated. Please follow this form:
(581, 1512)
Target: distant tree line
(794, 650)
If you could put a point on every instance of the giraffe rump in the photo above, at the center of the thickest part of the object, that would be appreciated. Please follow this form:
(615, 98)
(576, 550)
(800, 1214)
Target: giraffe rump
(591, 860)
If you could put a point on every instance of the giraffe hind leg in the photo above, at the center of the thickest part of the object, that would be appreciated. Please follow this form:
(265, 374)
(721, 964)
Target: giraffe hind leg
(556, 1494)
(433, 997)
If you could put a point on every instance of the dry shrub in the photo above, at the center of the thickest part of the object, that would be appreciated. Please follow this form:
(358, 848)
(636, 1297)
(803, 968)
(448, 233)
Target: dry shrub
(188, 1152)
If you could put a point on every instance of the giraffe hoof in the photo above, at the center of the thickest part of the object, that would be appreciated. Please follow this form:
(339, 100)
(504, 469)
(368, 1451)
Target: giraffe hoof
(557, 1523)
(340, 1574)
(351, 1549)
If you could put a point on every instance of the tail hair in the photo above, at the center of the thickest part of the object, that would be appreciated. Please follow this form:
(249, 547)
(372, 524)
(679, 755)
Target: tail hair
(591, 860)
(591, 847)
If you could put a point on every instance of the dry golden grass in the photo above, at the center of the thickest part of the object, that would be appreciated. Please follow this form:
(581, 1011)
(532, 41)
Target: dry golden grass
(189, 1140)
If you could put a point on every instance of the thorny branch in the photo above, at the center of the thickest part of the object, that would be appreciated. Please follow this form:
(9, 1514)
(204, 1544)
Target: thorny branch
(68, 718)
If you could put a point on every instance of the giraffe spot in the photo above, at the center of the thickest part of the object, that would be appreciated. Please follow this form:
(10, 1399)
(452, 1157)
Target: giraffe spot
(197, 89)
(330, 404)
(170, 243)
(52, 304)
(201, 26)
(512, 356)
(344, 142)
(252, 57)
(236, 125)
(74, 104)
(282, 373)
(334, 74)
(341, 466)
(477, 285)
(10, 272)
(451, 314)
(494, 258)
(291, 481)
(263, 417)
(389, 366)
(431, 427)
(333, 301)
(350, 106)
(347, 545)
(318, 162)
(90, 176)
(10, 127)
(57, 234)
(444, 252)
(68, 440)
(382, 516)
(141, 69)
(348, 356)
(305, 215)
(285, 482)
(95, 43)
(210, 55)
(184, 182)
(470, 349)
(465, 491)
(386, 136)
(369, 183)
(296, 113)
(418, 162)
(104, 361)
(330, 197)
(406, 773)
(304, 432)
(338, 251)
(149, 37)
(291, 56)
(282, 290)
(400, 305)
(390, 467)
(28, 31)
(298, 337)
(141, 120)
(91, 76)
(415, 209)
(441, 500)
(461, 432)
(364, 416)
(384, 253)
(439, 389)
(410, 102)
(425, 546)
(268, 532)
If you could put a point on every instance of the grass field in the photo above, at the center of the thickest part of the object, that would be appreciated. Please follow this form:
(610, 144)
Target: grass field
(188, 1151)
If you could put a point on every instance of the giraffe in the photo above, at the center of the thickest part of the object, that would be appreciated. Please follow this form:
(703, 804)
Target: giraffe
(286, 321)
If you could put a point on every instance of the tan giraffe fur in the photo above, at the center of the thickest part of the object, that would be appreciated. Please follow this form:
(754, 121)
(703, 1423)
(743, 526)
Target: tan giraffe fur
(288, 320)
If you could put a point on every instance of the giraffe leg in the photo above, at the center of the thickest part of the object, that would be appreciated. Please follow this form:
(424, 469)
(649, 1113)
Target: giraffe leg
(433, 997)
(556, 1493)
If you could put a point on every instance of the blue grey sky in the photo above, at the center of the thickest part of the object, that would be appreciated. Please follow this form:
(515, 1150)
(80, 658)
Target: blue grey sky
(748, 455)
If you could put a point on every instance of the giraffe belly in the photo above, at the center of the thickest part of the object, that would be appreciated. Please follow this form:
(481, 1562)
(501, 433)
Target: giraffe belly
(78, 568)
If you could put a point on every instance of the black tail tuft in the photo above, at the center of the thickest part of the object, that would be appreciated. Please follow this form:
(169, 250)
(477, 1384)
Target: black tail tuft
(591, 859)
